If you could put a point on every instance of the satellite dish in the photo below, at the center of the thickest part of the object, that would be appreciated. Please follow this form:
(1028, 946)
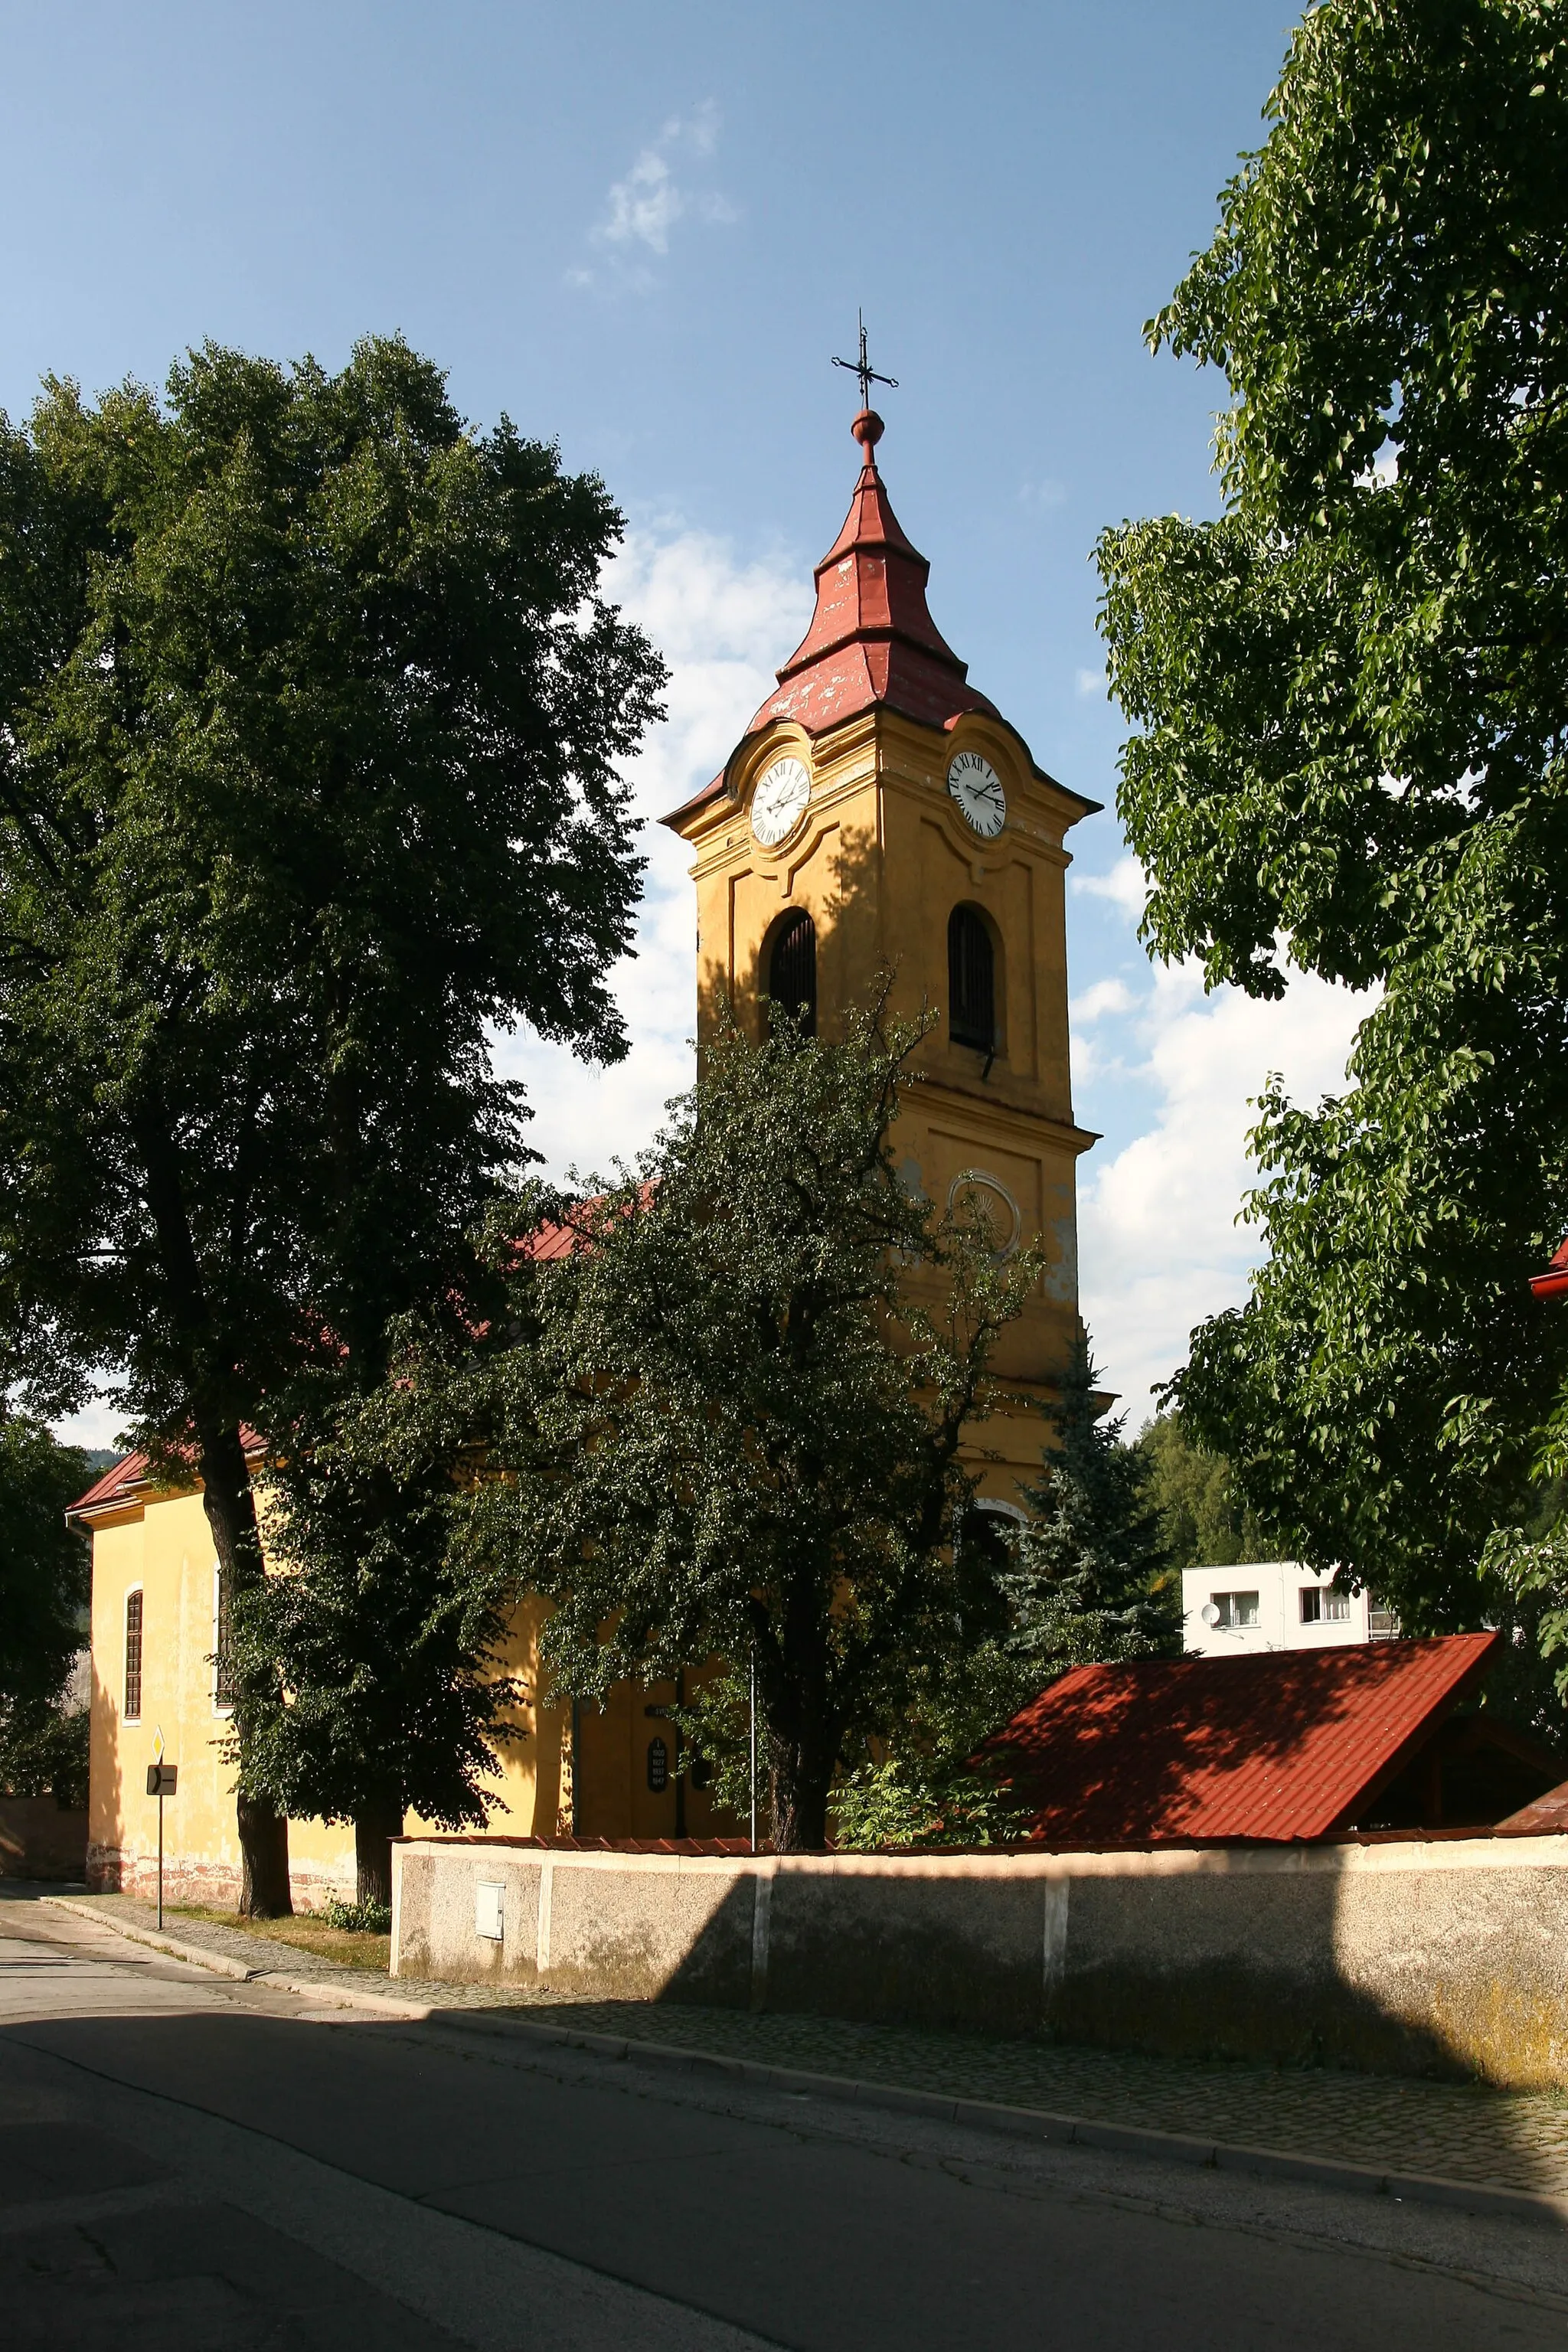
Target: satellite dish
(1209, 1613)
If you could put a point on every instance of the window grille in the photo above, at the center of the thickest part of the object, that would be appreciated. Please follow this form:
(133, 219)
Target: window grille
(1337, 1608)
(132, 1706)
(792, 971)
(971, 980)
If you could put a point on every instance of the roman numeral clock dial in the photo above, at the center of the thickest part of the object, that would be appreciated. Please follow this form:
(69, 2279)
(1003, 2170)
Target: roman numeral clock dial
(977, 788)
(779, 803)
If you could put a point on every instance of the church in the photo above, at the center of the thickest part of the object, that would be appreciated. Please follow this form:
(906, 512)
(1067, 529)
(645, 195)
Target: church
(878, 814)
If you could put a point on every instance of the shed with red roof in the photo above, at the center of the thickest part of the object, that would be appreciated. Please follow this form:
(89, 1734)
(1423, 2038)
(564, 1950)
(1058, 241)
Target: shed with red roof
(1288, 1745)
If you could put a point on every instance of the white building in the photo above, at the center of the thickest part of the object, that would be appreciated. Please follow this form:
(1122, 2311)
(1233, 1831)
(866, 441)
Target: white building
(1275, 1605)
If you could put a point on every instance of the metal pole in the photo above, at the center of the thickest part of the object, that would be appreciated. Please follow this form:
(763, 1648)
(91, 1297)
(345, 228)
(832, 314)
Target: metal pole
(160, 1852)
(754, 1747)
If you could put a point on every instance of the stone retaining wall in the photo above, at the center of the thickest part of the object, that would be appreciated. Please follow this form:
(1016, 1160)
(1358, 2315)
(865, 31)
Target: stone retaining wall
(1447, 1955)
(39, 1839)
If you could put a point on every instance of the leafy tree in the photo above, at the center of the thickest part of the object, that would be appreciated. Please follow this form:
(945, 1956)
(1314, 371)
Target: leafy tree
(44, 1595)
(44, 1564)
(1203, 1523)
(727, 1424)
(309, 717)
(1352, 692)
(1084, 1576)
(375, 1663)
(44, 1749)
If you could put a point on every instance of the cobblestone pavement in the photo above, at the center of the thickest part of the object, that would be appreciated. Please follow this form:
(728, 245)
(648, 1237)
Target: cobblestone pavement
(1457, 2131)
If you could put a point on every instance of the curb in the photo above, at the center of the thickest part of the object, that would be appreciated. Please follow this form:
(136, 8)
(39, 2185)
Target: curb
(975, 2114)
(223, 1964)
(1037, 2124)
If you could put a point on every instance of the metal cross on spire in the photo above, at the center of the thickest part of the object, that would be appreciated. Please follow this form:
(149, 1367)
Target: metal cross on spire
(862, 368)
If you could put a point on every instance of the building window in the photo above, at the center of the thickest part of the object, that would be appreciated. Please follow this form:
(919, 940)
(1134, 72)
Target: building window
(1336, 1608)
(1237, 1611)
(1311, 1604)
(131, 1709)
(792, 971)
(971, 980)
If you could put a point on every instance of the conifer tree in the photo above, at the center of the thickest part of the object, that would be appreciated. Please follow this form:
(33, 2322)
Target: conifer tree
(1089, 1576)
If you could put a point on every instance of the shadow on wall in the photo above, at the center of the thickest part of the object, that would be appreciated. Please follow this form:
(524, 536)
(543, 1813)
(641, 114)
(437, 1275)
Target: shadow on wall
(1439, 1957)
(42, 1840)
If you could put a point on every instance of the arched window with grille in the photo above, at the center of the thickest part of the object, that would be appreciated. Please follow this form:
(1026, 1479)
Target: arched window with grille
(130, 1708)
(792, 971)
(971, 980)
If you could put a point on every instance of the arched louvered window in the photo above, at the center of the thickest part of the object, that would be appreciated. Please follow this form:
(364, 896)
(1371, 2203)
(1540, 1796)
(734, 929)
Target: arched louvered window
(130, 1708)
(792, 971)
(971, 980)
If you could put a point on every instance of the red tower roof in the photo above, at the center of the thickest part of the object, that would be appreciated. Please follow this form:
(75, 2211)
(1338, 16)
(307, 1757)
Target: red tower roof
(872, 639)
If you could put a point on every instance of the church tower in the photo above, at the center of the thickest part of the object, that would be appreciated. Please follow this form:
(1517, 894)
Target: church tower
(879, 814)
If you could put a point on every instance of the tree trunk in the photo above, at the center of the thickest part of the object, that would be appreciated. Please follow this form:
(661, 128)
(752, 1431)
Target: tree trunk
(799, 1814)
(373, 1832)
(264, 1889)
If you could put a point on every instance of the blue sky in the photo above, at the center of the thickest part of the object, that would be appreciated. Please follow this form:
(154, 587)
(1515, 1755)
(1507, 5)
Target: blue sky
(643, 229)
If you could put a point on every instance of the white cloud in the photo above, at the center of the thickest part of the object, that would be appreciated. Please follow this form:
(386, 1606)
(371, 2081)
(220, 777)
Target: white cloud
(1124, 886)
(1105, 996)
(722, 627)
(1088, 681)
(1160, 1248)
(641, 210)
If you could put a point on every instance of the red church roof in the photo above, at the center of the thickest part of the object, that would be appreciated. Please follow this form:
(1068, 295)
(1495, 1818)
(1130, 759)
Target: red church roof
(872, 639)
(1282, 1744)
(124, 1479)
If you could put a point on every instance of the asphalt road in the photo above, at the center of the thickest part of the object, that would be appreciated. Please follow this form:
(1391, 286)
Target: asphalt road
(198, 2166)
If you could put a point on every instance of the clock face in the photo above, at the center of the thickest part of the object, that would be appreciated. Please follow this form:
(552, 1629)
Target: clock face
(977, 788)
(779, 801)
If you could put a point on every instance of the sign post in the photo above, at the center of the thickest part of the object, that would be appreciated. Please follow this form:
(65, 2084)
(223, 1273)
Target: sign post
(754, 1747)
(162, 1780)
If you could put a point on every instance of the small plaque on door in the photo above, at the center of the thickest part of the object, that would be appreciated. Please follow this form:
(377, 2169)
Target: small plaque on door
(657, 1766)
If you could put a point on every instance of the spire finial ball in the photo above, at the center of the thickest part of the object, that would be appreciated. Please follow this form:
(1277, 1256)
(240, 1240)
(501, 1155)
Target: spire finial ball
(868, 429)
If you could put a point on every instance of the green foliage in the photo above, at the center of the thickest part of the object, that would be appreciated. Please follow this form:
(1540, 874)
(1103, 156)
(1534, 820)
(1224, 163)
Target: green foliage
(43, 1565)
(368, 1666)
(1350, 694)
(309, 719)
(358, 1918)
(1202, 1521)
(44, 1750)
(911, 1799)
(728, 1422)
(310, 715)
(1090, 1577)
(1086, 1576)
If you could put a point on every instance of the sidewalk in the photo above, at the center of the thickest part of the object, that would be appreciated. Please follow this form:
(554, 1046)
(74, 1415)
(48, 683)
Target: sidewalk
(1450, 2131)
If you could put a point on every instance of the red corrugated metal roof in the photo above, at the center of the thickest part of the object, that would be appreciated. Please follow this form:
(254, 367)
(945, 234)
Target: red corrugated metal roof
(1288, 1744)
(1545, 1816)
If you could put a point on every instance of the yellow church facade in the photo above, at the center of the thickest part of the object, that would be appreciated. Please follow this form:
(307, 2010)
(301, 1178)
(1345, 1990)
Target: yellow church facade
(878, 817)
